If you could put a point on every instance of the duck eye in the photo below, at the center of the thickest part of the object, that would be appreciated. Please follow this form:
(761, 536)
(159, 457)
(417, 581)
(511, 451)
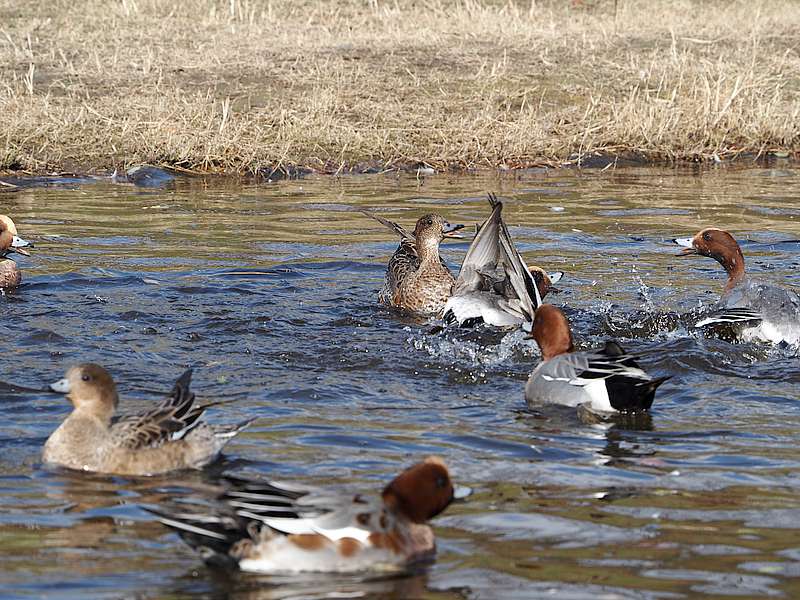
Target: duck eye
(441, 481)
(429, 222)
(85, 377)
(707, 236)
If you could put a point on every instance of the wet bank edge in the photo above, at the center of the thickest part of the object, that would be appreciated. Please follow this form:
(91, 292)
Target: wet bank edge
(160, 175)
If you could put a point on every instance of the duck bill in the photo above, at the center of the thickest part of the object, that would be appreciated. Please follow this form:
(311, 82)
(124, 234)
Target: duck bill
(61, 386)
(555, 278)
(687, 244)
(451, 231)
(461, 493)
(17, 245)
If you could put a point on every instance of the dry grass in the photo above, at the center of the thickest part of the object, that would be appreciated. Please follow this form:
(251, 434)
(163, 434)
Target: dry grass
(244, 85)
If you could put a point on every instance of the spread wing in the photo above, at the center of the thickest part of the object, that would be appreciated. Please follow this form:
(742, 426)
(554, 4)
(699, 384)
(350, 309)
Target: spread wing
(518, 273)
(170, 421)
(482, 257)
(494, 284)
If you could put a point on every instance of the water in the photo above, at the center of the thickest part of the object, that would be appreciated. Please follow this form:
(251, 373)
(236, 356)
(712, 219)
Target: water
(269, 291)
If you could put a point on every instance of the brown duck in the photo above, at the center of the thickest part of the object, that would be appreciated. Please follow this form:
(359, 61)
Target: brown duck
(169, 437)
(417, 278)
(10, 242)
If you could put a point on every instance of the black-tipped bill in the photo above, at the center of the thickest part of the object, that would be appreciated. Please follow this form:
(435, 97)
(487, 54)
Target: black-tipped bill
(17, 245)
(450, 230)
(461, 492)
(61, 386)
(688, 245)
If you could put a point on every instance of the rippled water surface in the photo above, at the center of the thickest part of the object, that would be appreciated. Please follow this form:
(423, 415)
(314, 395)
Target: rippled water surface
(269, 291)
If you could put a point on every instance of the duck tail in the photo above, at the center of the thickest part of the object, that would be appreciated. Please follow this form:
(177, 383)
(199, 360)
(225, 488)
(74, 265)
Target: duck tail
(653, 385)
(629, 395)
(647, 393)
(212, 535)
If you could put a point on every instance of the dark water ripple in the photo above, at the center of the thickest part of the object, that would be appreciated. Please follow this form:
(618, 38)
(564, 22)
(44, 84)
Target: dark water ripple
(269, 292)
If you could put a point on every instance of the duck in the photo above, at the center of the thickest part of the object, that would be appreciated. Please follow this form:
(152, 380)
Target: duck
(269, 527)
(10, 242)
(606, 380)
(494, 285)
(757, 311)
(169, 437)
(417, 279)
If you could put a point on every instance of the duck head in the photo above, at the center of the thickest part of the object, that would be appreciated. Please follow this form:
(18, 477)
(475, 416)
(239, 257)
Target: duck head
(422, 491)
(719, 245)
(90, 388)
(544, 280)
(551, 331)
(432, 229)
(9, 240)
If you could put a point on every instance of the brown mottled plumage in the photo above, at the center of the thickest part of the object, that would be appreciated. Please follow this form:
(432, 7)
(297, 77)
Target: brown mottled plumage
(169, 437)
(10, 275)
(417, 278)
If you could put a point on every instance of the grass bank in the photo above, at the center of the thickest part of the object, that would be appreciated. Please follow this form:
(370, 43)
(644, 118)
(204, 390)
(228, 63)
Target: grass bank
(247, 85)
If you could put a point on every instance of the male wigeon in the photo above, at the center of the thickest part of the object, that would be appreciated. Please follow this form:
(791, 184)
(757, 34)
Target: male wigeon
(605, 380)
(494, 285)
(417, 279)
(266, 527)
(169, 437)
(10, 275)
(760, 311)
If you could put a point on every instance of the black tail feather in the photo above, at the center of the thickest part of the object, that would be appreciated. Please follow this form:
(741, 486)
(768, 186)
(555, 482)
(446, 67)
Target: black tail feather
(211, 535)
(629, 395)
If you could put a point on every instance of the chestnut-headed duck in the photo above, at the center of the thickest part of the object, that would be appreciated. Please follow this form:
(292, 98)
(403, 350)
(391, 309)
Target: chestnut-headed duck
(494, 285)
(605, 380)
(10, 242)
(169, 437)
(417, 279)
(267, 527)
(757, 311)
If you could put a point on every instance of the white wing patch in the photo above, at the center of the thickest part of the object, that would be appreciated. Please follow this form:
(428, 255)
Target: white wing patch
(292, 526)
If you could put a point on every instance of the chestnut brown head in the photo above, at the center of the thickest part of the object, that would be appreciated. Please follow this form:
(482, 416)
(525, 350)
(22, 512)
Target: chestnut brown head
(422, 491)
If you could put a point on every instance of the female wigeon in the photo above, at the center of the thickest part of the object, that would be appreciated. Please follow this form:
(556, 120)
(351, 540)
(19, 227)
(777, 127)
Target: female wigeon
(10, 275)
(759, 311)
(494, 285)
(417, 278)
(266, 527)
(605, 380)
(169, 437)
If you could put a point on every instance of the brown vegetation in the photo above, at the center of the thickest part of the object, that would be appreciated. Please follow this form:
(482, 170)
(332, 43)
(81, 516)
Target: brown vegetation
(244, 85)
